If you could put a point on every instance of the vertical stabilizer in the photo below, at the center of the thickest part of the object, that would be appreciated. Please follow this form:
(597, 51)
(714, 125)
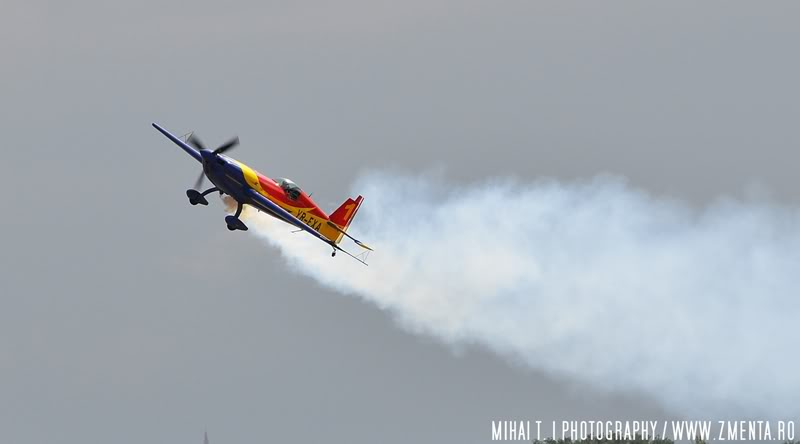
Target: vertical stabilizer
(346, 212)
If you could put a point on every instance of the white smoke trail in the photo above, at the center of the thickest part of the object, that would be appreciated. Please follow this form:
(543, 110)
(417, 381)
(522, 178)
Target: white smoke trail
(594, 281)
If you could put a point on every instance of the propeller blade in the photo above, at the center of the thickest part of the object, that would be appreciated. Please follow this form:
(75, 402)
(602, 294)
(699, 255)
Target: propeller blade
(196, 142)
(199, 181)
(225, 147)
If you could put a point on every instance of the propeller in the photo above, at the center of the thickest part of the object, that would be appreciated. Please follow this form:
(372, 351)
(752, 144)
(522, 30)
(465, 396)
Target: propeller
(194, 141)
(227, 145)
(199, 182)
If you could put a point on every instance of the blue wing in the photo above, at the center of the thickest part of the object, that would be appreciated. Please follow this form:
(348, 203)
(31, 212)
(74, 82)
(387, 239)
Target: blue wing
(189, 149)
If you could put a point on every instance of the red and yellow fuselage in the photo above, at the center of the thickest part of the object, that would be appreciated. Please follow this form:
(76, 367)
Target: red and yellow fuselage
(299, 205)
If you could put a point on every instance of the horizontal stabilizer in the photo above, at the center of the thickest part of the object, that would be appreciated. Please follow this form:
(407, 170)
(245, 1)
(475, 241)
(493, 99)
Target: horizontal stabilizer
(361, 244)
(358, 242)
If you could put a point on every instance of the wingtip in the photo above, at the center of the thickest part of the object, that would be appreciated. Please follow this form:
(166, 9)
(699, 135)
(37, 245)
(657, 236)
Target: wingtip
(363, 245)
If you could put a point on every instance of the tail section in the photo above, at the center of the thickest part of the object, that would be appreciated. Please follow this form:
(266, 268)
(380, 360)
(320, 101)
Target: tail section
(346, 212)
(339, 221)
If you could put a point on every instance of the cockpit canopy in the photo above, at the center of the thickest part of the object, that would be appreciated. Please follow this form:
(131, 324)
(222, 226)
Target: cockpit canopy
(291, 188)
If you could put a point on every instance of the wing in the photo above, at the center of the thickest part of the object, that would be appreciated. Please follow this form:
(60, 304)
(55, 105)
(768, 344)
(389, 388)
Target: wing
(189, 149)
(264, 204)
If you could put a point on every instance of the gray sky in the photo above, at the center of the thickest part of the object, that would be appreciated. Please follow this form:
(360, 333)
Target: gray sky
(129, 316)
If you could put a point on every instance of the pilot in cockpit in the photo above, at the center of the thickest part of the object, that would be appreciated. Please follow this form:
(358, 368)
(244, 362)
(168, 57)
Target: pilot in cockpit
(290, 188)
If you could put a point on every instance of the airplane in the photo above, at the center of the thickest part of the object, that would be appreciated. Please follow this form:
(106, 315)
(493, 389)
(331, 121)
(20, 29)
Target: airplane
(281, 198)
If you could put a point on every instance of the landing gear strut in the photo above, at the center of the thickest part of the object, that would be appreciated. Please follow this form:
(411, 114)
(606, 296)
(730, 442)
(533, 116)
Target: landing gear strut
(195, 197)
(234, 223)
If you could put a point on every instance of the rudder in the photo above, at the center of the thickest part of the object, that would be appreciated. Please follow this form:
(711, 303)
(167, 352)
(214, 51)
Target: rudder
(346, 212)
(338, 222)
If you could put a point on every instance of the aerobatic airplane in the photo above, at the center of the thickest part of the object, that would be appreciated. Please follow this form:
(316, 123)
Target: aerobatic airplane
(281, 198)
